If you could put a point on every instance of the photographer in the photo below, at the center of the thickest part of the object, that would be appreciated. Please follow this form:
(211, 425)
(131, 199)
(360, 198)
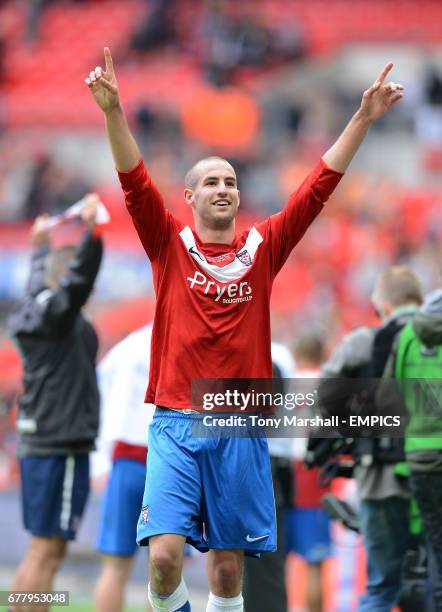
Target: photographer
(384, 496)
(417, 362)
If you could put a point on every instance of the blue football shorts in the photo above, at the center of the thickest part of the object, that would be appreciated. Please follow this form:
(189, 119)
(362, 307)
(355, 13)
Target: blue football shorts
(54, 491)
(308, 533)
(215, 491)
(121, 508)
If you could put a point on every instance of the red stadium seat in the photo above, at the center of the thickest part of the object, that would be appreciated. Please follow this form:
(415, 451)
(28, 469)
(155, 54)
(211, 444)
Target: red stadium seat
(72, 37)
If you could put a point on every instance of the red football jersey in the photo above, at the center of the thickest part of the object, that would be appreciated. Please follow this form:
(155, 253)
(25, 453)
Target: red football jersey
(212, 317)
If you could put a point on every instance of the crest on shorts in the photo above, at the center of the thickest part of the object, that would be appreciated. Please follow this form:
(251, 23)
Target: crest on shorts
(144, 514)
(244, 257)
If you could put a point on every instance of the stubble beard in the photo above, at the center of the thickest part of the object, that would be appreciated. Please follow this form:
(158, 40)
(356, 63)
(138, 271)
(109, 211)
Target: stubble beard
(219, 223)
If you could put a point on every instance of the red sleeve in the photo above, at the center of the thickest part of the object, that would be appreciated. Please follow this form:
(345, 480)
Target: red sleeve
(146, 207)
(287, 227)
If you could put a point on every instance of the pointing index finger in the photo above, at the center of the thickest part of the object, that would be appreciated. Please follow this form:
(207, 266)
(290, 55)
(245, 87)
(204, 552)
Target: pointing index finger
(108, 60)
(385, 71)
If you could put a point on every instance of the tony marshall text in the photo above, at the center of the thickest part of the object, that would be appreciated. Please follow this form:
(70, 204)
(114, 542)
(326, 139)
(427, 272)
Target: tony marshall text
(255, 420)
(335, 421)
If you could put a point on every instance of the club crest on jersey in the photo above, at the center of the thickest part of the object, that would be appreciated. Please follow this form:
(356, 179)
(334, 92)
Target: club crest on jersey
(144, 514)
(244, 257)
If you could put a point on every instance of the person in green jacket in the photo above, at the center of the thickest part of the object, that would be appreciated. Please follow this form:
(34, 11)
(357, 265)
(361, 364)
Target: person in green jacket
(418, 365)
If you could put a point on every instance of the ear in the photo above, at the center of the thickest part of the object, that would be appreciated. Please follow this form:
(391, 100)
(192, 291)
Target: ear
(189, 197)
(239, 197)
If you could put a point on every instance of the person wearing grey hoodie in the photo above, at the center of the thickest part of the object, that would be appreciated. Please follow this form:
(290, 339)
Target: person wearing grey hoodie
(418, 366)
(384, 510)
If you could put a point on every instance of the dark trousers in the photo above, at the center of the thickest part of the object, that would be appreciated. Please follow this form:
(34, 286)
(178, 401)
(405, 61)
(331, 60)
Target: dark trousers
(385, 527)
(264, 579)
(427, 489)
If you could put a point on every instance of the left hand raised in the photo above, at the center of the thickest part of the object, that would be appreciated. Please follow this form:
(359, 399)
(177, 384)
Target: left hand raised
(378, 98)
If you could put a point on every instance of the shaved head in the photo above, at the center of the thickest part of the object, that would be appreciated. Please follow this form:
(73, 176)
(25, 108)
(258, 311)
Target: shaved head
(195, 172)
(212, 193)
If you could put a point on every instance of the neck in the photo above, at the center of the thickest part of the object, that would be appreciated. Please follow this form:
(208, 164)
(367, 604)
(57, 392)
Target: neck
(220, 236)
(306, 364)
(395, 310)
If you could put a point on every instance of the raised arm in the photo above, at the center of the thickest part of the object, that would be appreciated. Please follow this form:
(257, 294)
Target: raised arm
(376, 101)
(104, 88)
(69, 291)
(41, 243)
(143, 200)
(55, 296)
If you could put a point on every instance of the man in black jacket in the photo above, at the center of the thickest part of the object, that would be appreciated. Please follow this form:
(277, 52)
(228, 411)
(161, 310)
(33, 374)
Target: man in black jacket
(58, 410)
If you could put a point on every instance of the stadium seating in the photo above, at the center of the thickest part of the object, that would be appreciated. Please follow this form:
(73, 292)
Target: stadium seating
(43, 78)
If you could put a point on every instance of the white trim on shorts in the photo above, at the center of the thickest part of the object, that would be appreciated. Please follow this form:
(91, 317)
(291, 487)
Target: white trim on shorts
(68, 488)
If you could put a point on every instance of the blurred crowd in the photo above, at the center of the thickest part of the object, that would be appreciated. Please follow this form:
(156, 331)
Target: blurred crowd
(257, 82)
(249, 102)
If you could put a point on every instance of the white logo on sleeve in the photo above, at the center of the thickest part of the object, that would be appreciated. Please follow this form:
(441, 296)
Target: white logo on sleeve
(257, 539)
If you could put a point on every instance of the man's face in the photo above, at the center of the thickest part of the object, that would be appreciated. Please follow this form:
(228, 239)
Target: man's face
(215, 196)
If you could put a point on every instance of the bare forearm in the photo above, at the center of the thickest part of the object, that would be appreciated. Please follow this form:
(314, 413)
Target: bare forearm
(339, 156)
(124, 149)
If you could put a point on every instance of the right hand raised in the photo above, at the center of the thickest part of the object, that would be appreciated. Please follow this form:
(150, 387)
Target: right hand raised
(103, 85)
